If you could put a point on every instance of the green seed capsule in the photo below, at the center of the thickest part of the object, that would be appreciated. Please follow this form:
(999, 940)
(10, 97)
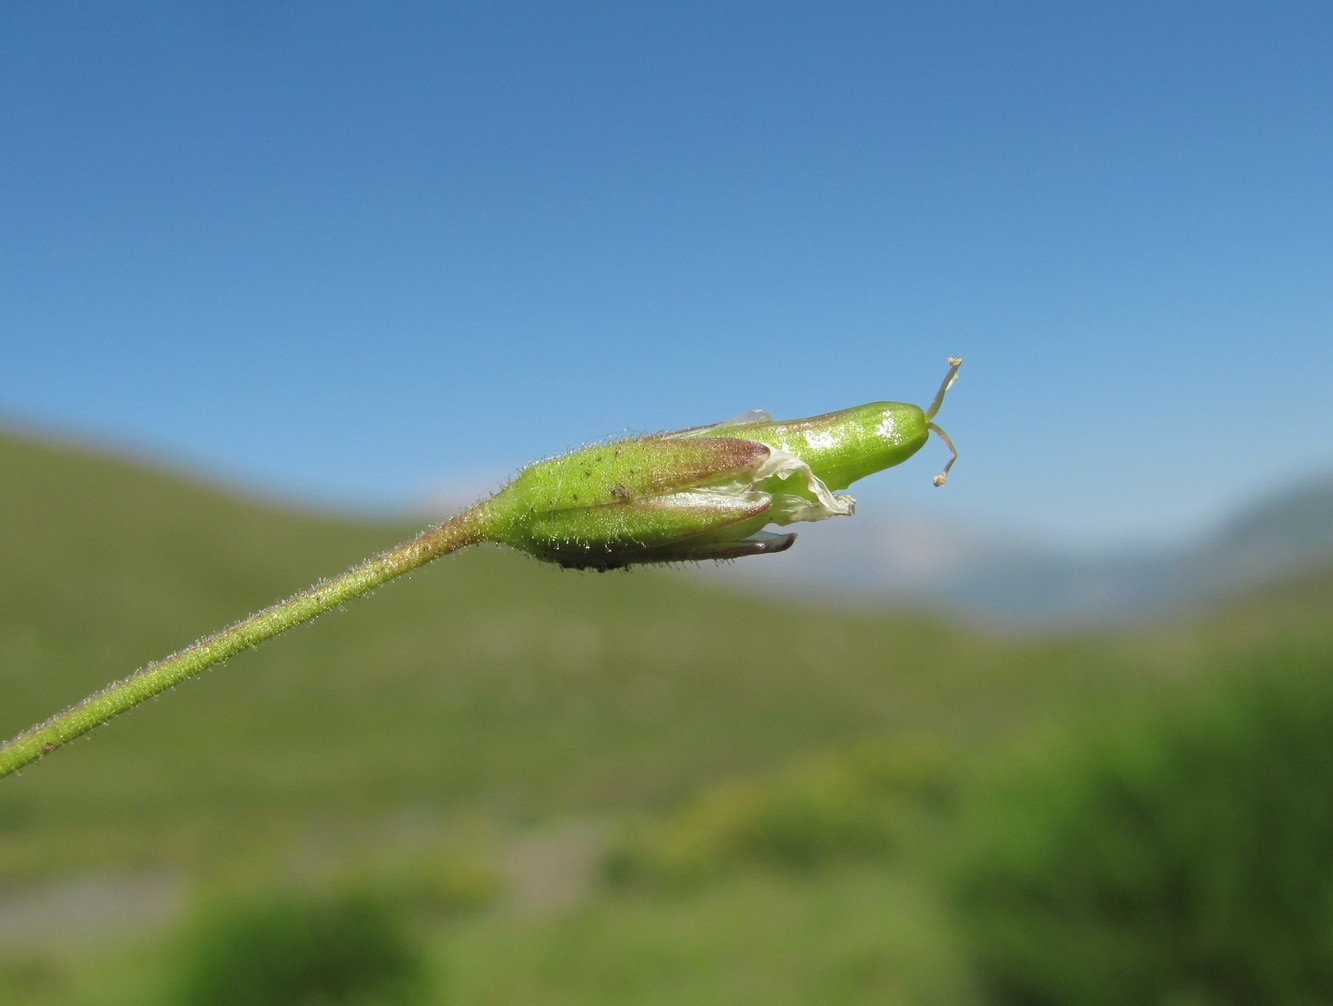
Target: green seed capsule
(706, 492)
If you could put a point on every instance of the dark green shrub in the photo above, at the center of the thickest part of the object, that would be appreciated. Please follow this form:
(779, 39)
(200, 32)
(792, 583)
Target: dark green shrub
(300, 950)
(1189, 861)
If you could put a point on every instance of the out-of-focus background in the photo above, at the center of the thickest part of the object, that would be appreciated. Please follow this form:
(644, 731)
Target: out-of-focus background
(280, 283)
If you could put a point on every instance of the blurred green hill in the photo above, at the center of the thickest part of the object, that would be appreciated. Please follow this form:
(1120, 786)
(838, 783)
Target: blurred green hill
(486, 682)
(493, 725)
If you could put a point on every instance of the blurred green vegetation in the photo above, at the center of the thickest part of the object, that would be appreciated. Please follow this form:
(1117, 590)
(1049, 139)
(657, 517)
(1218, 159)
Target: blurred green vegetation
(848, 804)
(628, 788)
(294, 949)
(1186, 860)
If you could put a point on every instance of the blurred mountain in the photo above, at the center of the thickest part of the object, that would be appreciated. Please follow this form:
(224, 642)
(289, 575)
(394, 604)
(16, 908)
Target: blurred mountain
(995, 576)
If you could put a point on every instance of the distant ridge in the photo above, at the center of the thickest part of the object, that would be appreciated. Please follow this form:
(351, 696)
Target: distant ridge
(989, 576)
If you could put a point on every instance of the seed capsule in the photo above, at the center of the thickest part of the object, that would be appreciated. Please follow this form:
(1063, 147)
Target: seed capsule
(705, 492)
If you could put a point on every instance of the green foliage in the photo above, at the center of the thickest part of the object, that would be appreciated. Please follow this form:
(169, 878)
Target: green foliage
(490, 696)
(454, 885)
(1187, 860)
(852, 803)
(300, 950)
(441, 882)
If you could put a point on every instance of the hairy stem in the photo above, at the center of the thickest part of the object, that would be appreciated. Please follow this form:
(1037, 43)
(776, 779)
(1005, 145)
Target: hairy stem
(467, 528)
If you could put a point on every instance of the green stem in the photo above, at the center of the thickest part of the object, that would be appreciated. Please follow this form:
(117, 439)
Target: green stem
(467, 528)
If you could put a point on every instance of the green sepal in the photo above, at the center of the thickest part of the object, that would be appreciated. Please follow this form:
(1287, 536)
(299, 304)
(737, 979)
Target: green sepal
(676, 527)
(633, 501)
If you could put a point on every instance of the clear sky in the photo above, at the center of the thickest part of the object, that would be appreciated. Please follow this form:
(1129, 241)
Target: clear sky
(359, 254)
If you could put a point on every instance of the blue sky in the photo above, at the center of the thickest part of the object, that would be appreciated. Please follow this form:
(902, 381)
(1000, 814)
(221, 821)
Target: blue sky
(360, 254)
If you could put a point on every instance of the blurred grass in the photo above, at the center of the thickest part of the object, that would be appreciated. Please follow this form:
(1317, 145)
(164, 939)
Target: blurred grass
(852, 934)
(845, 805)
(429, 738)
